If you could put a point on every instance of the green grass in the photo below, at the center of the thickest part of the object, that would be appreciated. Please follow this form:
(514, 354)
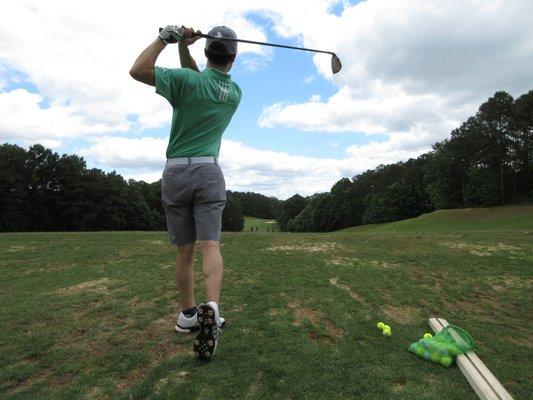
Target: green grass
(90, 315)
(467, 219)
(262, 225)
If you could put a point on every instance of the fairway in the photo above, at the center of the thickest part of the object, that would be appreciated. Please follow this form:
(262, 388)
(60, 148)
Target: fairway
(252, 224)
(90, 315)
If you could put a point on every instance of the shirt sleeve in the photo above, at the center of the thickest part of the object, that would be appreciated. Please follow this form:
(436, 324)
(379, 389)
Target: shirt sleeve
(172, 84)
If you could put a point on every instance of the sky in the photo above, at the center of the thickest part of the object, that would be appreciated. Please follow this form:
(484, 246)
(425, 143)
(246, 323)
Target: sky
(413, 70)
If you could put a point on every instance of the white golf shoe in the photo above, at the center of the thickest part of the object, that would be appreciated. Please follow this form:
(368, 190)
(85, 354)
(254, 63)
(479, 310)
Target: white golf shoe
(186, 324)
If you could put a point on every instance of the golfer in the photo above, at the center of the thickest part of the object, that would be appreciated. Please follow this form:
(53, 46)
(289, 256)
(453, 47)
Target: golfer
(193, 187)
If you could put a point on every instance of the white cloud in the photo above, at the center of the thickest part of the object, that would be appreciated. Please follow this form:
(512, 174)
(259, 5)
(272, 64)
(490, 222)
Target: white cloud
(389, 112)
(121, 152)
(78, 55)
(246, 168)
(24, 117)
(411, 65)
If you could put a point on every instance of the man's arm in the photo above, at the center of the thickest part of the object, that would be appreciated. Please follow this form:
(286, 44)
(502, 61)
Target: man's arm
(186, 60)
(143, 69)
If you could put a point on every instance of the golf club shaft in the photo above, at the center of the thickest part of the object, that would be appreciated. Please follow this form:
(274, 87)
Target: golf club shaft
(266, 44)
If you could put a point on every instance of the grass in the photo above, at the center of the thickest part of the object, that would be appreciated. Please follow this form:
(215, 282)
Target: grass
(90, 315)
(259, 225)
(466, 219)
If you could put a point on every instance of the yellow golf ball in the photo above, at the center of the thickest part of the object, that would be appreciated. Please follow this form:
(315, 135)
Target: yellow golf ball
(446, 361)
(387, 332)
(381, 325)
(428, 335)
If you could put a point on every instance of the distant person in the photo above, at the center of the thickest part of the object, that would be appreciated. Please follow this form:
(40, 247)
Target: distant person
(193, 186)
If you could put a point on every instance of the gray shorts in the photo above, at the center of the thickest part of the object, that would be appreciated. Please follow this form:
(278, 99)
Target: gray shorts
(194, 197)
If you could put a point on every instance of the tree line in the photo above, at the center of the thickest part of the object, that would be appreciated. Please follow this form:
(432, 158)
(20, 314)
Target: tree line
(44, 191)
(487, 161)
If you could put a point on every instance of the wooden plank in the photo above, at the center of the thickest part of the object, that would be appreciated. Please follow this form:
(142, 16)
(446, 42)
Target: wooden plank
(484, 371)
(478, 375)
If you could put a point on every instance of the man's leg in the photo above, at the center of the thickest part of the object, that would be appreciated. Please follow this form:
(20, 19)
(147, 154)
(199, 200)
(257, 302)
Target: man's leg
(185, 275)
(213, 269)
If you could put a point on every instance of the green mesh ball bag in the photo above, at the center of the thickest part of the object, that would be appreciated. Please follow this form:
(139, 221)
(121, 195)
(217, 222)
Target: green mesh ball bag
(445, 346)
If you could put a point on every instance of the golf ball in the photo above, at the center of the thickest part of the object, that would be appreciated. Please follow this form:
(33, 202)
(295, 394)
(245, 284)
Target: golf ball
(443, 351)
(435, 357)
(446, 361)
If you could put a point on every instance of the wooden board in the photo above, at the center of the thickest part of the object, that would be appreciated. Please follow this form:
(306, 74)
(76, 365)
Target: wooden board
(478, 375)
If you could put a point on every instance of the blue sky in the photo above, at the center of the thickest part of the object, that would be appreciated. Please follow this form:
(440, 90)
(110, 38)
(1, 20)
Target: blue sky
(408, 79)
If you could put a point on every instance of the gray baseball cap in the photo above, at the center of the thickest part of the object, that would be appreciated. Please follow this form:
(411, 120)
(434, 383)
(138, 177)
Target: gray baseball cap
(228, 47)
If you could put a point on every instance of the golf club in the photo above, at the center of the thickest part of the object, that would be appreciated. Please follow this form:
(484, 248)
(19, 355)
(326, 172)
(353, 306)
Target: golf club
(335, 61)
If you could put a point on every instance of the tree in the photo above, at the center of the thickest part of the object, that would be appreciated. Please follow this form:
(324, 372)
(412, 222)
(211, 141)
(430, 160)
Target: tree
(14, 201)
(495, 116)
(522, 147)
(232, 218)
(289, 209)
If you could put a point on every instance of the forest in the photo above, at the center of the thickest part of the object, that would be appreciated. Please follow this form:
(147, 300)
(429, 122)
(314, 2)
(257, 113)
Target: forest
(487, 161)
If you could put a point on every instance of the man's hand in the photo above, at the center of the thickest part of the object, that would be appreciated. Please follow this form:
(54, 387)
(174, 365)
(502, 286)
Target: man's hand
(171, 34)
(190, 36)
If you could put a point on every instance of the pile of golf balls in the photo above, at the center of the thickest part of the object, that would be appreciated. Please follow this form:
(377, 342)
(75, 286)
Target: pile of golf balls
(438, 352)
(386, 329)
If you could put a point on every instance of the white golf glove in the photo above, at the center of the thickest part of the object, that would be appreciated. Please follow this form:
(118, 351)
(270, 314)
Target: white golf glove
(171, 34)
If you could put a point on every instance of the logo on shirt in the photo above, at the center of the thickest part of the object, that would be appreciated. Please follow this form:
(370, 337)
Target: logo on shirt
(224, 91)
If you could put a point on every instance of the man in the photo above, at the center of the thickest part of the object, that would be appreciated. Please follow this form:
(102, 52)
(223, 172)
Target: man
(193, 186)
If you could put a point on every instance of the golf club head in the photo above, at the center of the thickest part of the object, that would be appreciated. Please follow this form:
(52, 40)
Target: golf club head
(335, 63)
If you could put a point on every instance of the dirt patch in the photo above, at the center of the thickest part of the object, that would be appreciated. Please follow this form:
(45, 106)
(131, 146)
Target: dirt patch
(484, 306)
(383, 265)
(481, 250)
(18, 248)
(63, 379)
(314, 317)
(133, 377)
(307, 247)
(97, 286)
(95, 393)
(273, 312)
(315, 337)
(402, 315)
(254, 387)
(237, 308)
(526, 342)
(341, 262)
(508, 282)
(397, 386)
(157, 337)
(346, 288)
(36, 379)
(172, 380)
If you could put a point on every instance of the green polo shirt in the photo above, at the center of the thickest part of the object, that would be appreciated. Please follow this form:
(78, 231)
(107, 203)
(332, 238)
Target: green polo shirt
(203, 104)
